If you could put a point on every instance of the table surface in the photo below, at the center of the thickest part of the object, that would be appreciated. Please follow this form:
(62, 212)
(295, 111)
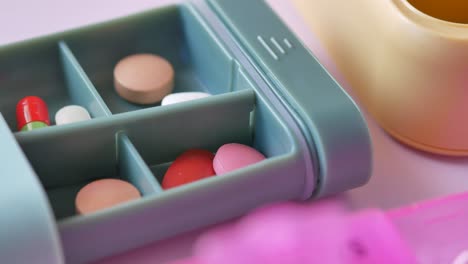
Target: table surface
(401, 175)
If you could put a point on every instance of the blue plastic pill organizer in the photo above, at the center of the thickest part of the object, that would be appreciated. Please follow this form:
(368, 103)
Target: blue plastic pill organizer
(270, 93)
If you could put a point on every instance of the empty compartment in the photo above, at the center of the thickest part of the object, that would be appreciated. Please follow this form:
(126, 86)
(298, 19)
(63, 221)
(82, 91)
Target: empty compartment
(66, 162)
(41, 68)
(176, 33)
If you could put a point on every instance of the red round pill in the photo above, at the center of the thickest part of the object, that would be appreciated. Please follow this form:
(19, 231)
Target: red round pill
(31, 109)
(192, 165)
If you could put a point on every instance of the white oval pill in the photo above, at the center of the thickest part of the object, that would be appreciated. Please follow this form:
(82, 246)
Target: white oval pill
(183, 97)
(71, 114)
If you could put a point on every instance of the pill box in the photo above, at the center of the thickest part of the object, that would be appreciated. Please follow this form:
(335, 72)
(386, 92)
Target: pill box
(269, 93)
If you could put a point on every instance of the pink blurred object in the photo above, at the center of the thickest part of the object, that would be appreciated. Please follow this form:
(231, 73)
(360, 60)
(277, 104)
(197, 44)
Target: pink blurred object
(429, 232)
(293, 233)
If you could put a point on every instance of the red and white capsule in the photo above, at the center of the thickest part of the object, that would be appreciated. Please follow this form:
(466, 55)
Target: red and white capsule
(32, 113)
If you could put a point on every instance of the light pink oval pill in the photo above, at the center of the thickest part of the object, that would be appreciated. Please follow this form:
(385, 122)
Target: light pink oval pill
(104, 193)
(234, 156)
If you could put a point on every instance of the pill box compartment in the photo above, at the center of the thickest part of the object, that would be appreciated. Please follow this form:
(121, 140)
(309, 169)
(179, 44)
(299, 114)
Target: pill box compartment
(174, 32)
(41, 68)
(64, 165)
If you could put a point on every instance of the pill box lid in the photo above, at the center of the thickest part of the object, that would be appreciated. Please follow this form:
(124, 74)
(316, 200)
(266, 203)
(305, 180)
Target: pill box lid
(28, 233)
(331, 122)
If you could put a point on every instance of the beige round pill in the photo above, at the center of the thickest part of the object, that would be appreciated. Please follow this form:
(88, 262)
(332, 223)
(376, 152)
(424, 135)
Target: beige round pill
(143, 78)
(104, 193)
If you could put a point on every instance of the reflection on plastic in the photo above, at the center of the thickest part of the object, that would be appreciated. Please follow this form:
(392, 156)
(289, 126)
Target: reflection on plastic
(462, 258)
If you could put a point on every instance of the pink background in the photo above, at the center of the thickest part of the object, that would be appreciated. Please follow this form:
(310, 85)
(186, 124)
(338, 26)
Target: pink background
(401, 175)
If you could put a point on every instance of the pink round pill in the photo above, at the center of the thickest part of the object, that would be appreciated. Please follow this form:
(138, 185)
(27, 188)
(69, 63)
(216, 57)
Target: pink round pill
(234, 156)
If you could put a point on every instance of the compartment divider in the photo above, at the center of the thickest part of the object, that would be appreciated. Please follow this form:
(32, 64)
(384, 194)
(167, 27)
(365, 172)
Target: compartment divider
(132, 165)
(80, 86)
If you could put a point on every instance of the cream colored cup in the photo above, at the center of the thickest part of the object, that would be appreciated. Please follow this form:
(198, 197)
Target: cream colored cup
(407, 62)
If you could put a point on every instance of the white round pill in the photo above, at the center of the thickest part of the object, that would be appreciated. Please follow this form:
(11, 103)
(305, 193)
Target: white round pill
(183, 97)
(71, 114)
